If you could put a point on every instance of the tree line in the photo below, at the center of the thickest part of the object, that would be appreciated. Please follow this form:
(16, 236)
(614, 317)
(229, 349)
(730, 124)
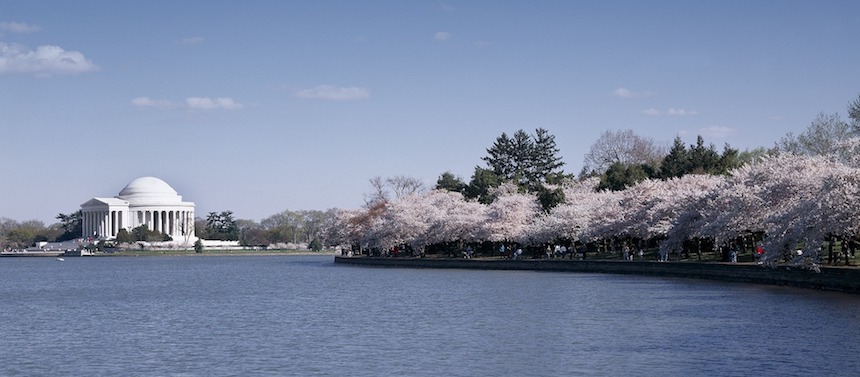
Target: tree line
(801, 194)
(522, 163)
(287, 229)
(619, 158)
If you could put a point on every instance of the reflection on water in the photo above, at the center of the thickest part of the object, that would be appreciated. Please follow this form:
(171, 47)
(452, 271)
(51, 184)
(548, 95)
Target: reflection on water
(303, 315)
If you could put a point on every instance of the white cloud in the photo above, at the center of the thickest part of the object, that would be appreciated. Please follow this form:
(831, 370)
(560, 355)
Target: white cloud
(148, 102)
(442, 36)
(334, 93)
(681, 112)
(671, 112)
(717, 132)
(627, 93)
(43, 61)
(191, 41)
(193, 103)
(623, 93)
(18, 27)
(206, 103)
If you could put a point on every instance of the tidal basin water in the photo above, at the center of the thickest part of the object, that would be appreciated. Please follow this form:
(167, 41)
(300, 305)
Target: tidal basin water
(305, 316)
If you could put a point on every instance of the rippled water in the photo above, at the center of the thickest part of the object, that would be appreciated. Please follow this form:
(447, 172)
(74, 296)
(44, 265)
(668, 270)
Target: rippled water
(303, 315)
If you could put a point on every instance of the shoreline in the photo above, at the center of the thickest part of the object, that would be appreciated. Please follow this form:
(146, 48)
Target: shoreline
(837, 279)
(174, 253)
(219, 253)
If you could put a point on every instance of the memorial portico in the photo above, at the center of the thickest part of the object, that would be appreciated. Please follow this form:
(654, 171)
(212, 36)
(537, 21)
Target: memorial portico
(147, 201)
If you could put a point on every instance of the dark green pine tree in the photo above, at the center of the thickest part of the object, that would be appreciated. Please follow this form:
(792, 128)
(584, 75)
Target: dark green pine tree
(521, 161)
(479, 186)
(729, 160)
(619, 176)
(72, 226)
(703, 160)
(510, 158)
(677, 162)
(546, 162)
(449, 181)
(500, 156)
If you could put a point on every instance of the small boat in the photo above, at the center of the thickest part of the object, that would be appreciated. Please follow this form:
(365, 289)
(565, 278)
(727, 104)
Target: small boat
(61, 259)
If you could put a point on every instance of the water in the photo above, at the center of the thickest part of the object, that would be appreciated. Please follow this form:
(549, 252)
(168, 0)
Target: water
(305, 316)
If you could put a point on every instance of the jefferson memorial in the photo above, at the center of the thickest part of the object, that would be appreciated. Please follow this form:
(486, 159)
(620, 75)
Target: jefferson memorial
(145, 201)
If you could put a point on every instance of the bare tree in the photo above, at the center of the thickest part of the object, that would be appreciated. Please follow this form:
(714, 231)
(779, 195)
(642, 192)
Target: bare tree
(186, 228)
(402, 185)
(854, 114)
(624, 147)
(383, 189)
(825, 136)
(378, 193)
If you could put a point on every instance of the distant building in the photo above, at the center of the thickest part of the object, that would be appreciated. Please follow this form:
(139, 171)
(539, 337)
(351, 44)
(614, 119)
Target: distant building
(145, 201)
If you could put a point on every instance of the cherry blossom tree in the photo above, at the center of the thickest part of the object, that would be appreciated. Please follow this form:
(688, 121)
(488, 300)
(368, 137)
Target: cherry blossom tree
(654, 206)
(571, 220)
(404, 221)
(789, 202)
(782, 197)
(509, 216)
(453, 218)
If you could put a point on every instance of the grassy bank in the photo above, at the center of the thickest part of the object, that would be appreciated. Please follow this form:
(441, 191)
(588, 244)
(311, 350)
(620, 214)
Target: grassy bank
(840, 279)
(210, 253)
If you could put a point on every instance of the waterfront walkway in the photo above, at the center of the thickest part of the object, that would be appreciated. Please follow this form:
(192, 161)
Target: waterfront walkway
(841, 279)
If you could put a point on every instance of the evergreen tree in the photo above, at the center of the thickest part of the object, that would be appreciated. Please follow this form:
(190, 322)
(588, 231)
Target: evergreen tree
(698, 159)
(703, 160)
(479, 186)
(620, 176)
(677, 162)
(530, 162)
(123, 236)
(500, 157)
(546, 161)
(549, 199)
(522, 157)
(729, 160)
(315, 245)
(222, 226)
(448, 181)
(72, 226)
(526, 160)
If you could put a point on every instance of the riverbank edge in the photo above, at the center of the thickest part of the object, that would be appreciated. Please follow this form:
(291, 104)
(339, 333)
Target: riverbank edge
(169, 253)
(218, 253)
(836, 279)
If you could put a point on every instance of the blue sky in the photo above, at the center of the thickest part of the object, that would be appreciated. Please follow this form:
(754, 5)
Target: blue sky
(263, 106)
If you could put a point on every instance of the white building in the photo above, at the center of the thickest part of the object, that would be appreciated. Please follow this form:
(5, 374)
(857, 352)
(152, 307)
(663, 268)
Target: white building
(145, 201)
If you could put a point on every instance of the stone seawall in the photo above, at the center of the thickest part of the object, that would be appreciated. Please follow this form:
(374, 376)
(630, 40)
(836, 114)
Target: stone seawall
(830, 278)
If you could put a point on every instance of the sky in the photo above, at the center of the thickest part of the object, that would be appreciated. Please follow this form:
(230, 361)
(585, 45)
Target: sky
(264, 106)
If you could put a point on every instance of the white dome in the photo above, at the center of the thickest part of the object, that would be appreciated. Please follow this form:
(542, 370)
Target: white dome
(149, 189)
